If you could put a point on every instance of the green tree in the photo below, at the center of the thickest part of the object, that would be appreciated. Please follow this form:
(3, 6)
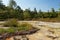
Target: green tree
(12, 4)
(40, 14)
(2, 7)
(0, 2)
(19, 13)
(35, 13)
(27, 14)
(47, 14)
(32, 14)
(53, 13)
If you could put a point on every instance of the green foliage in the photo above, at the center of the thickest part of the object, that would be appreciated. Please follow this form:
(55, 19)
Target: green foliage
(12, 4)
(21, 27)
(10, 30)
(1, 2)
(19, 13)
(26, 14)
(11, 23)
(14, 24)
(40, 14)
(2, 7)
(14, 11)
(2, 31)
(35, 13)
(25, 26)
(45, 15)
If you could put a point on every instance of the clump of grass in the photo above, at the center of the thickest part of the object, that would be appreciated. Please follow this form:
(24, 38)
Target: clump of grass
(25, 26)
(11, 23)
(15, 26)
(10, 30)
(21, 27)
(2, 31)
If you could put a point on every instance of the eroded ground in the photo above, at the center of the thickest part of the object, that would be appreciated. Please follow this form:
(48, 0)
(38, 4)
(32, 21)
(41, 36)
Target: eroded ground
(48, 30)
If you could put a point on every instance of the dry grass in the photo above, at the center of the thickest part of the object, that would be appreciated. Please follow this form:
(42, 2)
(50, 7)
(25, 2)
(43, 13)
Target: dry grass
(47, 19)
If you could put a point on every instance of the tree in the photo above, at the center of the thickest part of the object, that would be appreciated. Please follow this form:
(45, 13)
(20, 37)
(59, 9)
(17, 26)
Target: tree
(12, 4)
(47, 14)
(2, 7)
(0, 2)
(53, 10)
(35, 13)
(19, 9)
(40, 14)
(19, 13)
(53, 13)
(27, 14)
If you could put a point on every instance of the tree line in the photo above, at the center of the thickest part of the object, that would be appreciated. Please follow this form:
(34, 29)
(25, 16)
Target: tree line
(14, 11)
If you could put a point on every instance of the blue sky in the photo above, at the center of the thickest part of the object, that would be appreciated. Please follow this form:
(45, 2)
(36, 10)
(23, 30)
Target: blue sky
(44, 5)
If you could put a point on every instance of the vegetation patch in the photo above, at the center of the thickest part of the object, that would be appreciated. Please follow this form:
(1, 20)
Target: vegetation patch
(15, 26)
(11, 23)
(14, 11)
(25, 26)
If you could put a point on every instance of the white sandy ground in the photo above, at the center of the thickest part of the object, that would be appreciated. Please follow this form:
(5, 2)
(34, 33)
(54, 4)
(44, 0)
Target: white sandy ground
(37, 23)
(43, 32)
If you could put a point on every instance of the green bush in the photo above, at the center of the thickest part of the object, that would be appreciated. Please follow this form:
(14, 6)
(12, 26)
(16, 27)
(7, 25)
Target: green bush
(10, 30)
(21, 27)
(2, 30)
(11, 23)
(14, 25)
(25, 26)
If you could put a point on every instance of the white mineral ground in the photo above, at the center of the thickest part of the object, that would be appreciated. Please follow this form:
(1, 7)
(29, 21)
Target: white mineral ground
(43, 32)
(37, 23)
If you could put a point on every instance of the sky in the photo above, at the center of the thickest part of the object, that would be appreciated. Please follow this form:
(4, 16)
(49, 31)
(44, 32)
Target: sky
(43, 5)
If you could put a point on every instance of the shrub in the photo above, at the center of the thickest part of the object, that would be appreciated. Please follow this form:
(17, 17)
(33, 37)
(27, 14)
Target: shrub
(11, 23)
(2, 31)
(10, 30)
(16, 26)
(22, 27)
(25, 26)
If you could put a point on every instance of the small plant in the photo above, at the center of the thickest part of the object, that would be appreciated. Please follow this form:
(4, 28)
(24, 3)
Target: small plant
(2, 31)
(25, 26)
(15, 26)
(10, 30)
(11, 23)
